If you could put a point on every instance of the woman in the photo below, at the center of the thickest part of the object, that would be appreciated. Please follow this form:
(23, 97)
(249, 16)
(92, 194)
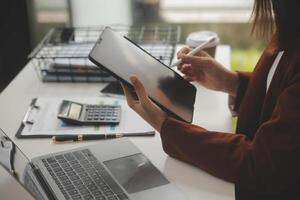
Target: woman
(263, 158)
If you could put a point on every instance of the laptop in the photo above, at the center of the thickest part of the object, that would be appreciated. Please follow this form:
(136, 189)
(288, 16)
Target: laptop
(110, 170)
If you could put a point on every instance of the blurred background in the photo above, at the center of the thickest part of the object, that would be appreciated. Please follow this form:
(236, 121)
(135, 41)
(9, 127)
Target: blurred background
(24, 23)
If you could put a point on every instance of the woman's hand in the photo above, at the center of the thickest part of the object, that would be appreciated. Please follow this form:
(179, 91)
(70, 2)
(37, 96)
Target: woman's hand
(143, 105)
(205, 70)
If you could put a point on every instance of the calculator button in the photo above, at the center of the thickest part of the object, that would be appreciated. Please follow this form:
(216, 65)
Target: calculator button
(102, 113)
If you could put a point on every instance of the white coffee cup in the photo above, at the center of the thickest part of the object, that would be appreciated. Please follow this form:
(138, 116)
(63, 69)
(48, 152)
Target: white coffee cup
(194, 39)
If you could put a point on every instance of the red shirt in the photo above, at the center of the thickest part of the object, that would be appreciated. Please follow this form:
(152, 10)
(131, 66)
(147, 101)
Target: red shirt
(263, 158)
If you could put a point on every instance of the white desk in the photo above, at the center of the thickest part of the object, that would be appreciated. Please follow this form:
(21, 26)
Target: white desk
(210, 112)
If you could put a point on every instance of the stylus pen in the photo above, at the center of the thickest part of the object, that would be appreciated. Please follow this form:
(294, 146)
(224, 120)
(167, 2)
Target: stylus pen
(196, 50)
(75, 138)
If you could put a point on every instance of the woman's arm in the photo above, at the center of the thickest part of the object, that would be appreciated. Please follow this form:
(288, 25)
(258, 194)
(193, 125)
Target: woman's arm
(142, 104)
(205, 70)
(269, 164)
(208, 72)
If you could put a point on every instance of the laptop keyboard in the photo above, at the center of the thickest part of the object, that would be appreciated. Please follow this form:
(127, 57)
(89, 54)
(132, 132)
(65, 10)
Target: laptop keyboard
(79, 175)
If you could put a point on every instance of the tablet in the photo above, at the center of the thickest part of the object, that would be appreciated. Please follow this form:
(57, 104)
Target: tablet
(122, 58)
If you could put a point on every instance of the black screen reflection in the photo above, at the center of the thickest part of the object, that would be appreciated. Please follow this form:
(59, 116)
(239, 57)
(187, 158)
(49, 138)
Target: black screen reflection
(173, 89)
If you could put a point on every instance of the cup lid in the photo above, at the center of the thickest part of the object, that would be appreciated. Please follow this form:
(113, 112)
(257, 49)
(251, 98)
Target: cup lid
(194, 39)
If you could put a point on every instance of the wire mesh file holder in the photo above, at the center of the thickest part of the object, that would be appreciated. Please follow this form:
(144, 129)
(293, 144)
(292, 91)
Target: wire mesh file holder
(62, 56)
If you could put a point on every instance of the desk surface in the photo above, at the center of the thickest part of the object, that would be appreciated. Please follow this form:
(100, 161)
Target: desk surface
(211, 112)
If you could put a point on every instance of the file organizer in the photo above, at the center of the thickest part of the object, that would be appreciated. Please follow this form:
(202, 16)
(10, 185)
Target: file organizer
(62, 55)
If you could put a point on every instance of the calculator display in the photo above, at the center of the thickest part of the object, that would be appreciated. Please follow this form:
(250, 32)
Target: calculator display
(75, 111)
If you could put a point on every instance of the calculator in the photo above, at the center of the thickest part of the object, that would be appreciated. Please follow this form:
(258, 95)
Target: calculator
(89, 114)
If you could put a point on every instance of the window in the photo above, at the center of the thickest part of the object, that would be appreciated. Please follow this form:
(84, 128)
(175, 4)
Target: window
(194, 11)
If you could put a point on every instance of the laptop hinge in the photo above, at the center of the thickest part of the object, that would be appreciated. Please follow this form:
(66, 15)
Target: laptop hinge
(40, 178)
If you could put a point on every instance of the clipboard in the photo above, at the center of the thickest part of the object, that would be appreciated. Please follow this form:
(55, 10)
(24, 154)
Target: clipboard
(27, 121)
(40, 119)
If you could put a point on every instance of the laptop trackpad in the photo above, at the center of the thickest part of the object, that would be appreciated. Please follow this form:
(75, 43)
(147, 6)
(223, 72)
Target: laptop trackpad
(135, 173)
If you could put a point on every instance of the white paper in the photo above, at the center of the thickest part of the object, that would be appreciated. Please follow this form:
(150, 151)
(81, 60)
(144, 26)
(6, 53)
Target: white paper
(45, 121)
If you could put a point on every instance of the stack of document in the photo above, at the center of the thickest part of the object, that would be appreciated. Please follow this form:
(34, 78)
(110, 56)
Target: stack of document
(68, 62)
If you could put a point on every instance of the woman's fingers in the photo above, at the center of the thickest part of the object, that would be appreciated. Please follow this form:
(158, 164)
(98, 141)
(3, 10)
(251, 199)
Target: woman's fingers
(202, 54)
(140, 89)
(186, 69)
(188, 78)
(190, 74)
(183, 52)
(128, 94)
(180, 66)
(195, 61)
(184, 66)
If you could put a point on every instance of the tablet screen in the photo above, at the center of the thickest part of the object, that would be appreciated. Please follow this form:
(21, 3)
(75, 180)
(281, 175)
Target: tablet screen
(122, 58)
